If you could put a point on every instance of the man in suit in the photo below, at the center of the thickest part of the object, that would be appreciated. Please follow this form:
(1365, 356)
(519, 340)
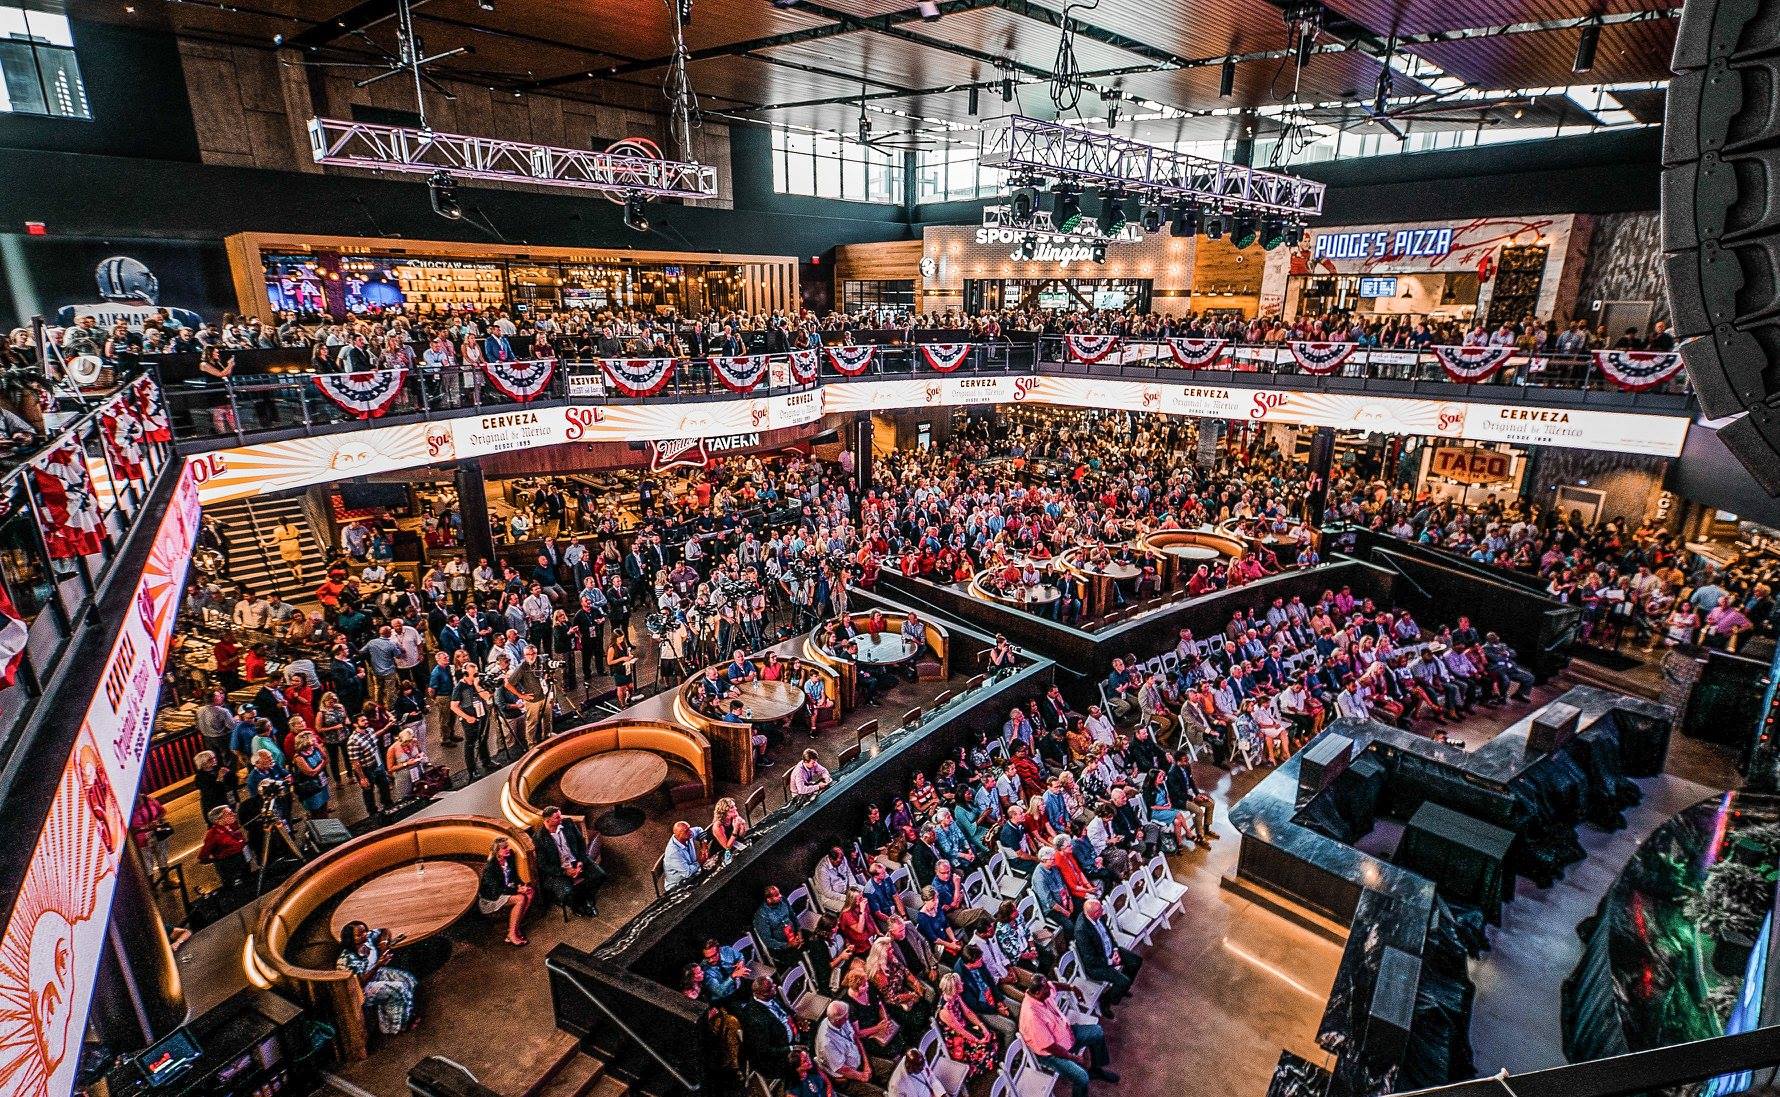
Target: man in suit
(496, 348)
(569, 877)
(1101, 957)
(1186, 795)
(768, 1030)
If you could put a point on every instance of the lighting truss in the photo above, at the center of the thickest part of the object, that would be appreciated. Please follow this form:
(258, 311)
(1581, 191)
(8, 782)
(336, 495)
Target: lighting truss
(1028, 147)
(1002, 217)
(422, 152)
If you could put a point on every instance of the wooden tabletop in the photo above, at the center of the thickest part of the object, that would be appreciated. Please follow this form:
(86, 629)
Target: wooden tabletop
(888, 648)
(1196, 553)
(615, 777)
(1114, 570)
(1039, 594)
(769, 701)
(418, 900)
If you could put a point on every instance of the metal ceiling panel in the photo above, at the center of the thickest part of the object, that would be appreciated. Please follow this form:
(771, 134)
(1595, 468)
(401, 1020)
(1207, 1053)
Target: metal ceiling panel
(1028, 41)
(1425, 16)
(1545, 112)
(1329, 76)
(1628, 52)
(1192, 29)
(886, 60)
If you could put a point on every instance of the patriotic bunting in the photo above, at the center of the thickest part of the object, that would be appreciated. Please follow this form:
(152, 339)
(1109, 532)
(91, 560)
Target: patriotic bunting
(851, 361)
(1469, 365)
(70, 505)
(13, 634)
(121, 430)
(1637, 370)
(1196, 353)
(945, 357)
(741, 373)
(803, 366)
(362, 395)
(153, 412)
(1320, 358)
(523, 380)
(638, 376)
(1090, 348)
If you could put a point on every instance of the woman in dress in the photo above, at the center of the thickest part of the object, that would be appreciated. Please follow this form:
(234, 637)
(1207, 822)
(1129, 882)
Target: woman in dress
(405, 759)
(621, 659)
(333, 725)
(309, 767)
(968, 1040)
(1683, 625)
(367, 953)
(502, 889)
(727, 827)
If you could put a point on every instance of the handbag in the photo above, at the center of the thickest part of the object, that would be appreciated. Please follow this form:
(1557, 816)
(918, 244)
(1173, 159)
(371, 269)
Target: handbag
(432, 781)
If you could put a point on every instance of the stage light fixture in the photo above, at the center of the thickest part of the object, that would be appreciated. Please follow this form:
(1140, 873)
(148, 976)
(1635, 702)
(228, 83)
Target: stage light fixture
(1025, 203)
(1152, 219)
(685, 12)
(1215, 226)
(1028, 246)
(1273, 231)
(1227, 78)
(975, 101)
(636, 214)
(1112, 213)
(1007, 89)
(441, 190)
(1244, 229)
(1294, 234)
(1586, 45)
(1067, 207)
(928, 9)
(1099, 251)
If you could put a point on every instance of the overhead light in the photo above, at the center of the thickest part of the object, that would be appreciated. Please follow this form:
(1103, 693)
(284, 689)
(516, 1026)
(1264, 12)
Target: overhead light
(1028, 246)
(1025, 203)
(636, 213)
(1227, 78)
(1215, 226)
(928, 9)
(1067, 210)
(1186, 220)
(485, 5)
(1243, 229)
(1294, 234)
(1007, 89)
(1586, 45)
(441, 190)
(1099, 251)
(974, 101)
(1273, 231)
(1112, 212)
(1152, 219)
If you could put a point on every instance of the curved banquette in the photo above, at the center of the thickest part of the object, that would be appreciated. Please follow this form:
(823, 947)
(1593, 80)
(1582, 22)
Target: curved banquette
(286, 950)
(937, 645)
(733, 743)
(556, 754)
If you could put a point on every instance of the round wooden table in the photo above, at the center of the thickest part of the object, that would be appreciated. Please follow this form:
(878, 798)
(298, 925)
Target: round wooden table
(1193, 554)
(887, 650)
(768, 701)
(614, 778)
(1039, 594)
(416, 900)
(1117, 571)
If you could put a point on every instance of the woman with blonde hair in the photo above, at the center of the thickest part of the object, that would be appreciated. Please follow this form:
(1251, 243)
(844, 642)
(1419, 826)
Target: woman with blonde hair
(968, 1040)
(727, 827)
(405, 759)
(501, 888)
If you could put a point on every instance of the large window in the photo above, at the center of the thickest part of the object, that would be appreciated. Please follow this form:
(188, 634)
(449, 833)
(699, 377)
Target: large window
(953, 175)
(830, 167)
(894, 293)
(38, 72)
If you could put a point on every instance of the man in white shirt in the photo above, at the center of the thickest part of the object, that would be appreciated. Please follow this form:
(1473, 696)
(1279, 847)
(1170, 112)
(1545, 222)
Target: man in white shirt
(1100, 727)
(1350, 705)
(809, 777)
(841, 1055)
(407, 637)
(250, 612)
(913, 1077)
(833, 877)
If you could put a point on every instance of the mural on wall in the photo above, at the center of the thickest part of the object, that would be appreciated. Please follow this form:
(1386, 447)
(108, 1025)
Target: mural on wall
(1625, 263)
(1629, 483)
(131, 280)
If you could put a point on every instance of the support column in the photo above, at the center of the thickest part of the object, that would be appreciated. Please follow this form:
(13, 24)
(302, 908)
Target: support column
(138, 997)
(472, 504)
(862, 455)
(1322, 462)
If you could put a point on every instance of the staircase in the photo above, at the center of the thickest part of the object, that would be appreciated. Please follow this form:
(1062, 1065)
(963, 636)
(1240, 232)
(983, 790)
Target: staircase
(574, 1073)
(253, 559)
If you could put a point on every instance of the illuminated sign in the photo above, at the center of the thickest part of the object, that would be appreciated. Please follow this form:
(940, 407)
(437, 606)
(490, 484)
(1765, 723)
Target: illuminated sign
(1469, 465)
(1051, 247)
(1378, 287)
(1382, 244)
(49, 957)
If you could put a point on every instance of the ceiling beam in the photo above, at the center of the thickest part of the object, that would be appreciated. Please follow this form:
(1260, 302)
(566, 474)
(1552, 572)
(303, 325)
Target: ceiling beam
(364, 14)
(1040, 13)
(842, 23)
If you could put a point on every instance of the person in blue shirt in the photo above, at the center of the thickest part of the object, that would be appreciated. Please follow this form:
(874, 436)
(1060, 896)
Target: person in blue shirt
(715, 686)
(726, 973)
(241, 735)
(741, 668)
(775, 923)
(680, 861)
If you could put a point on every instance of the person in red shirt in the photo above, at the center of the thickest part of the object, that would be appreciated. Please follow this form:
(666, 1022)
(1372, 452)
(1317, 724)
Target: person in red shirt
(225, 845)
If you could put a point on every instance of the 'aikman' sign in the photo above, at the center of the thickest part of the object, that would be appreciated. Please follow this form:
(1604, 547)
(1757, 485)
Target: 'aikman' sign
(1052, 247)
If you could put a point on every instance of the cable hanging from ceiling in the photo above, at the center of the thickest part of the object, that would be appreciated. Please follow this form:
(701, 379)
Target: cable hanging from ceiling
(676, 85)
(1066, 72)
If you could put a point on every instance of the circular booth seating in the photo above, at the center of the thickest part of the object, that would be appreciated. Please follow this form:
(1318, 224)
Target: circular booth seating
(1283, 545)
(1041, 599)
(1181, 551)
(549, 759)
(291, 946)
(932, 662)
(733, 744)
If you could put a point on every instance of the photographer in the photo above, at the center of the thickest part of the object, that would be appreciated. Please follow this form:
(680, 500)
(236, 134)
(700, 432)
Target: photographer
(470, 704)
(526, 683)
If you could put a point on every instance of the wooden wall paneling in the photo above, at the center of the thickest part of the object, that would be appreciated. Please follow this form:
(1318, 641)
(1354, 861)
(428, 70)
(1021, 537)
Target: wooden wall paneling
(299, 107)
(217, 110)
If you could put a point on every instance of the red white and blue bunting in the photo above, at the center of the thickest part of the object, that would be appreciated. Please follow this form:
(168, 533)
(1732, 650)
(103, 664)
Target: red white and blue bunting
(1637, 370)
(1090, 348)
(945, 357)
(803, 367)
(156, 427)
(362, 395)
(523, 380)
(638, 376)
(1320, 358)
(851, 361)
(121, 429)
(1196, 353)
(1469, 365)
(740, 373)
(70, 504)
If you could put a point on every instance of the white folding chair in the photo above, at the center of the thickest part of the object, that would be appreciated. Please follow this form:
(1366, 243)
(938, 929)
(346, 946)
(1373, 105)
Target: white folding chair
(977, 893)
(1004, 881)
(800, 997)
(1018, 1065)
(1026, 910)
(804, 906)
(1148, 903)
(1001, 1088)
(948, 1073)
(1129, 927)
(904, 879)
(751, 952)
(1069, 970)
(1163, 883)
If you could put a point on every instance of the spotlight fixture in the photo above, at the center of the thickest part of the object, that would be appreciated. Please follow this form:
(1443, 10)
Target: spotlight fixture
(1273, 230)
(1152, 219)
(1307, 28)
(1243, 229)
(1586, 44)
(1294, 234)
(1186, 220)
(1025, 203)
(1099, 251)
(1007, 89)
(1227, 78)
(929, 10)
(1028, 246)
(1067, 208)
(636, 213)
(1112, 213)
(975, 102)
(441, 190)
(1215, 226)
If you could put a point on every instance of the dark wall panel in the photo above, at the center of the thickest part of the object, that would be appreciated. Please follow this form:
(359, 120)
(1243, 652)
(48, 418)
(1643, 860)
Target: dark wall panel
(136, 92)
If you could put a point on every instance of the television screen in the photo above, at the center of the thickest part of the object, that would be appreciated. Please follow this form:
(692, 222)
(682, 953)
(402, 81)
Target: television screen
(170, 1058)
(368, 496)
